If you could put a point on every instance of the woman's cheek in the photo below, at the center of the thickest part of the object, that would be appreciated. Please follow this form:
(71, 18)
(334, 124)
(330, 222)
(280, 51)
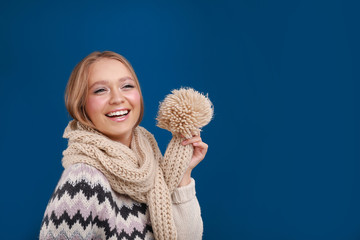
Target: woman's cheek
(135, 98)
(94, 105)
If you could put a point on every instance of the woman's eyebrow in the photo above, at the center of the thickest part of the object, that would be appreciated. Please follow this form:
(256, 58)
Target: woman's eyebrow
(106, 82)
(98, 82)
(125, 78)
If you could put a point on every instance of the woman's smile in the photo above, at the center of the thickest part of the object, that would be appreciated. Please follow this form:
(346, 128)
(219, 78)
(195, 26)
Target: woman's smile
(114, 102)
(118, 115)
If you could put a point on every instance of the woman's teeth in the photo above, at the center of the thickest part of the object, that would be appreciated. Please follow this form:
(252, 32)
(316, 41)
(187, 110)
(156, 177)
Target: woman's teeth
(118, 113)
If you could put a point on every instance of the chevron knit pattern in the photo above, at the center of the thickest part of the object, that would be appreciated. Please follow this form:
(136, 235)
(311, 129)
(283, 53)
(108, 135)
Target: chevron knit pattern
(135, 172)
(84, 207)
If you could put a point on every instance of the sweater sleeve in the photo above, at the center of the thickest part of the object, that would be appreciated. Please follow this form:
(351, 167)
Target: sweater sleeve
(187, 214)
(72, 211)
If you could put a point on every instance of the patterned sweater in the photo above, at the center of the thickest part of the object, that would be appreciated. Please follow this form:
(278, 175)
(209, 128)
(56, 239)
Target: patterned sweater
(83, 206)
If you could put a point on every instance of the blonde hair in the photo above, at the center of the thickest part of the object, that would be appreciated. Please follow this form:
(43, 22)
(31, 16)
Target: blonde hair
(77, 87)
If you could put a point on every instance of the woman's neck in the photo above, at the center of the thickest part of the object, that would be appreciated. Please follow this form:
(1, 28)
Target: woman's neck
(126, 140)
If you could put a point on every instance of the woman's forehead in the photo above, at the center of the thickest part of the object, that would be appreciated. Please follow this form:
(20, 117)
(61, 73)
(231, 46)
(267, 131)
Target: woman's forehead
(108, 69)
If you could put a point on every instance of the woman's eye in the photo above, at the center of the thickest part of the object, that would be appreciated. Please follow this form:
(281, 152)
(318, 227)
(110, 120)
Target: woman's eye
(99, 91)
(128, 86)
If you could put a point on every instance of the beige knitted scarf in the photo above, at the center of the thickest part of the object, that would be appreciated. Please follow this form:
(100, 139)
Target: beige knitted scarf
(140, 171)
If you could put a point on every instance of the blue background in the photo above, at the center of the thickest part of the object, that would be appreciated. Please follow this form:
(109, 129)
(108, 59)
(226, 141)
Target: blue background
(283, 159)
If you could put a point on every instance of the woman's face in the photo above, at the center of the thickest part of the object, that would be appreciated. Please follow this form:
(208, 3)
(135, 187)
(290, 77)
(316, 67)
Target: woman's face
(113, 103)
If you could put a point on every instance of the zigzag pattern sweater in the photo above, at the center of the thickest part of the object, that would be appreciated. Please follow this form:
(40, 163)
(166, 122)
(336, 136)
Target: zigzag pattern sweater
(83, 206)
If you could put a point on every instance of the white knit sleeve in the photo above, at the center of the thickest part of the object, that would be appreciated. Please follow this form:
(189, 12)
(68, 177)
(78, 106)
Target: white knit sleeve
(187, 214)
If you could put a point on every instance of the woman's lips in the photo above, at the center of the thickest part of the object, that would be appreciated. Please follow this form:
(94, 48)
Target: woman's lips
(118, 115)
(119, 119)
(118, 112)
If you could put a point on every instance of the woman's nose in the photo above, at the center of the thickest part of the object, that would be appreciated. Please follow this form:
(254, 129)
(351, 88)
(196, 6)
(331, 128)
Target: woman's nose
(116, 97)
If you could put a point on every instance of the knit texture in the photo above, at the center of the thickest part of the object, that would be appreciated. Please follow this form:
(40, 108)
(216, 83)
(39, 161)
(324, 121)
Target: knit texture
(134, 172)
(84, 207)
(183, 112)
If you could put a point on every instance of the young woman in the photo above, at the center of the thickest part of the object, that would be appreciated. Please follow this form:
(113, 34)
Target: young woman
(114, 185)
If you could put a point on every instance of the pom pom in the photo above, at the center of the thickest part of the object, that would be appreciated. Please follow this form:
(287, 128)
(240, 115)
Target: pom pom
(184, 112)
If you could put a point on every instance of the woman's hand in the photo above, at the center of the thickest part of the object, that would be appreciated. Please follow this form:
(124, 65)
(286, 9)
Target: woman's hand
(200, 149)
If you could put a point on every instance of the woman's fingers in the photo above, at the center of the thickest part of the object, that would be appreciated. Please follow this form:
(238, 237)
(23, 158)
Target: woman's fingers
(200, 150)
(200, 145)
(192, 140)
